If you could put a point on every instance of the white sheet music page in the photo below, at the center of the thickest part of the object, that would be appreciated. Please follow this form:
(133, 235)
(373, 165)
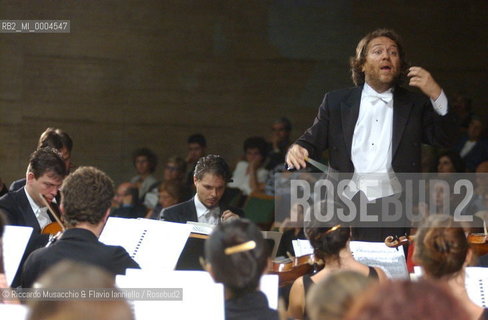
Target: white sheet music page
(201, 228)
(269, 286)
(13, 311)
(377, 254)
(15, 239)
(477, 285)
(153, 244)
(202, 298)
(301, 247)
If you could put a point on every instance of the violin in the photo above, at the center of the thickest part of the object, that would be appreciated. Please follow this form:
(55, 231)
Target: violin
(293, 268)
(54, 227)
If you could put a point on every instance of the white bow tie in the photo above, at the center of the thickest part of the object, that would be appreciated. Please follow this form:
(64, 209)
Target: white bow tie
(386, 97)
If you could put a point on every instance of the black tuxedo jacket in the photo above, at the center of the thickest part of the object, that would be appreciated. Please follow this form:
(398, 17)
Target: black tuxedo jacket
(18, 211)
(186, 211)
(414, 122)
(79, 245)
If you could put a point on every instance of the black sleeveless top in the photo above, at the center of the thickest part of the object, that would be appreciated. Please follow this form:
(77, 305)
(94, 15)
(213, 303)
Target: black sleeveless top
(484, 315)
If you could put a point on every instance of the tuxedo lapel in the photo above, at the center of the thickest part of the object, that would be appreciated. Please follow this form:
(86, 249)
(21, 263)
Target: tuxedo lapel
(349, 115)
(401, 112)
(192, 210)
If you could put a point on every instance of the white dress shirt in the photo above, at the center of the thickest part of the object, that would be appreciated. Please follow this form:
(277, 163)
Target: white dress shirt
(371, 151)
(41, 213)
(206, 215)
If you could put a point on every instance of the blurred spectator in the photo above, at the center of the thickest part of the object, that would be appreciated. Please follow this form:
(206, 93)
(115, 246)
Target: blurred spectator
(279, 141)
(197, 148)
(173, 172)
(169, 194)
(450, 162)
(472, 149)
(126, 202)
(145, 162)
(249, 175)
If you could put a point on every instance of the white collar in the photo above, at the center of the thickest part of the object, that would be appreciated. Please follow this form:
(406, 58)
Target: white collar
(33, 204)
(201, 208)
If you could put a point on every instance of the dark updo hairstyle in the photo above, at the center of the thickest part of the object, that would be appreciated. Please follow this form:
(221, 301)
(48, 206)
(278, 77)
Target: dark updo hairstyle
(239, 271)
(441, 246)
(328, 239)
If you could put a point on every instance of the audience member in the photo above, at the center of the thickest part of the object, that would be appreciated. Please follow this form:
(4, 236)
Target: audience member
(407, 300)
(249, 175)
(442, 249)
(71, 275)
(330, 242)
(462, 107)
(450, 162)
(85, 207)
(237, 257)
(174, 172)
(197, 148)
(279, 141)
(331, 298)
(126, 202)
(170, 194)
(145, 162)
(472, 149)
(210, 178)
(56, 139)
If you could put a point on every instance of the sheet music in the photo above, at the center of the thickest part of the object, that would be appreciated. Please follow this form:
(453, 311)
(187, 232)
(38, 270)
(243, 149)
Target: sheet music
(202, 297)
(477, 285)
(13, 311)
(15, 239)
(153, 244)
(377, 254)
(302, 247)
(269, 286)
(200, 227)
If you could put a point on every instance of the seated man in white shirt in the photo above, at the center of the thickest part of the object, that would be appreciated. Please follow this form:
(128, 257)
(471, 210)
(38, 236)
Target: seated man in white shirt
(210, 178)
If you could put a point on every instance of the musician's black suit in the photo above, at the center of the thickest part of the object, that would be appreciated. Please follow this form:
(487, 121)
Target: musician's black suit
(186, 211)
(18, 211)
(79, 245)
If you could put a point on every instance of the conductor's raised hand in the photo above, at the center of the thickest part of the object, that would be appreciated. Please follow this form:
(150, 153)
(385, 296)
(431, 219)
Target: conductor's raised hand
(423, 80)
(295, 157)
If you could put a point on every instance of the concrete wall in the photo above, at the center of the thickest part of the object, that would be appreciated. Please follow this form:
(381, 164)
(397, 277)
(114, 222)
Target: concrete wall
(149, 73)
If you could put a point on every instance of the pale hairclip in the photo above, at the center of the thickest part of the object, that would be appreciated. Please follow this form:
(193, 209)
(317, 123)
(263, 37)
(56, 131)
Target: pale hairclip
(246, 246)
(334, 228)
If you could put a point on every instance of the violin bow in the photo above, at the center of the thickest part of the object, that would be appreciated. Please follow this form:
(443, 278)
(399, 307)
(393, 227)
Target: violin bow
(55, 214)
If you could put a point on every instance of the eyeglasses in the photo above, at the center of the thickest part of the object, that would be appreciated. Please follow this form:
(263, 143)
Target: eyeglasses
(171, 168)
